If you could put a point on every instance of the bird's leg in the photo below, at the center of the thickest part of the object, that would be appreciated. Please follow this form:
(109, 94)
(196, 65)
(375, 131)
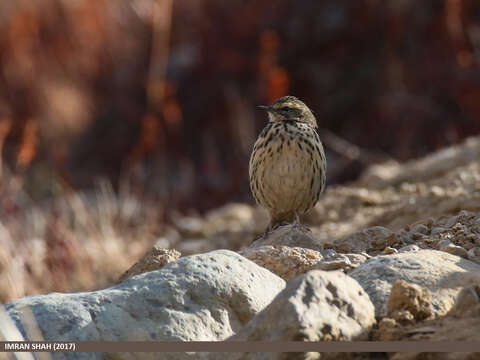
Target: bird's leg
(297, 219)
(269, 228)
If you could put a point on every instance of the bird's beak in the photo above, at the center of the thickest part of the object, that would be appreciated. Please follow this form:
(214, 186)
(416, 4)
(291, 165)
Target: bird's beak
(265, 107)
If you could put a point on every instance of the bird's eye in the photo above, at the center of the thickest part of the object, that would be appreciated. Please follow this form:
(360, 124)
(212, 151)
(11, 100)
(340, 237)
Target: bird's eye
(285, 108)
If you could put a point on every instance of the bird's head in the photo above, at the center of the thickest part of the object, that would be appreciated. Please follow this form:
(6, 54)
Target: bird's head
(289, 108)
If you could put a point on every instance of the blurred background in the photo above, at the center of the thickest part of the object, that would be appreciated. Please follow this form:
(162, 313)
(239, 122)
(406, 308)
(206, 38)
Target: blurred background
(116, 116)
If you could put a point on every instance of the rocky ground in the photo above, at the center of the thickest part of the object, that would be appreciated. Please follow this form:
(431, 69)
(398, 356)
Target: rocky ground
(394, 256)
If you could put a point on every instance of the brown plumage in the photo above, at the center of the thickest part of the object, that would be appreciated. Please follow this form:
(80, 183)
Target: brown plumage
(287, 165)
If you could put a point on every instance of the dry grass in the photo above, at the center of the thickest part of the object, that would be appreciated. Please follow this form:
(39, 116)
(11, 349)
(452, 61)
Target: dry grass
(75, 241)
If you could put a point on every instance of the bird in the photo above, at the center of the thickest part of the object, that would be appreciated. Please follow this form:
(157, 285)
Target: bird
(287, 169)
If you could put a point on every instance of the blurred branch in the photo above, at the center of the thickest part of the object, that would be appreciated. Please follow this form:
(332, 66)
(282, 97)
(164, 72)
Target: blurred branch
(351, 151)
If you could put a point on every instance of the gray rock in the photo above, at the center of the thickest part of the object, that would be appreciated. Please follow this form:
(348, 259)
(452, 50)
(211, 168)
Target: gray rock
(329, 254)
(316, 306)
(201, 297)
(455, 250)
(442, 273)
(421, 229)
(409, 248)
(443, 243)
(340, 262)
(467, 302)
(343, 262)
(474, 254)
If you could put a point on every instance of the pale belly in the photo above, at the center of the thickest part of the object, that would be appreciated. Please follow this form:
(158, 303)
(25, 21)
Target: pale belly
(291, 179)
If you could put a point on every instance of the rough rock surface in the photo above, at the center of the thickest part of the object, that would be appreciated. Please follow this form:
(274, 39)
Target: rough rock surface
(201, 297)
(411, 299)
(316, 306)
(154, 259)
(443, 274)
(462, 323)
(284, 261)
(369, 240)
(343, 262)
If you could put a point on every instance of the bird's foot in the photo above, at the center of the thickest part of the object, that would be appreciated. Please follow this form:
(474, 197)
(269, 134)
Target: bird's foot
(296, 221)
